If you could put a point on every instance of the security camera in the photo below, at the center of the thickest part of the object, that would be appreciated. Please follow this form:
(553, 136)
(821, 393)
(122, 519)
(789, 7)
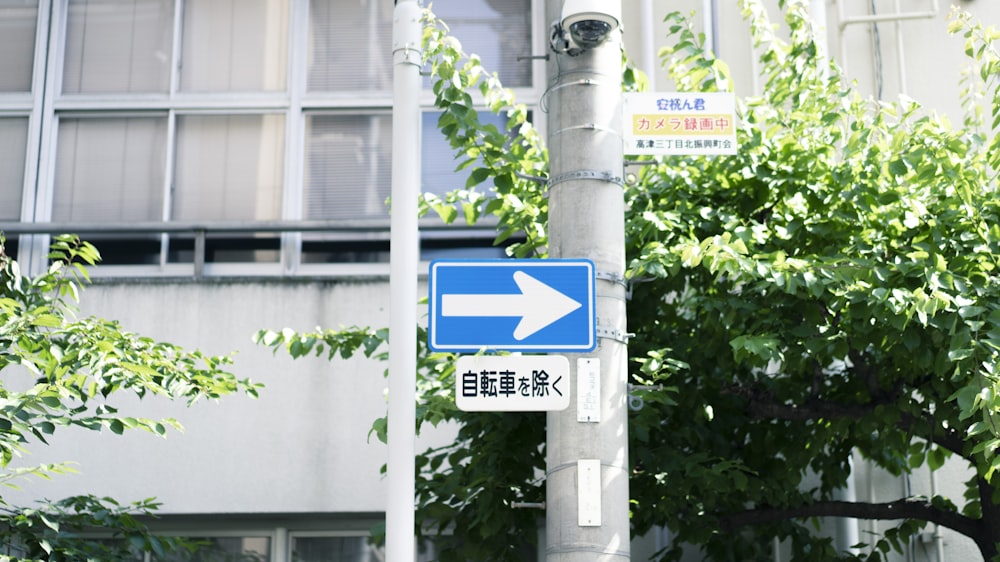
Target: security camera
(590, 22)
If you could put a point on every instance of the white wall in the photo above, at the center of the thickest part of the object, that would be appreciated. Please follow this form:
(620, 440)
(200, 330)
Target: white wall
(302, 447)
(932, 59)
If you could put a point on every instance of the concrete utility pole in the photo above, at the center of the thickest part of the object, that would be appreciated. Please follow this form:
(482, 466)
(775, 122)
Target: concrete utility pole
(587, 464)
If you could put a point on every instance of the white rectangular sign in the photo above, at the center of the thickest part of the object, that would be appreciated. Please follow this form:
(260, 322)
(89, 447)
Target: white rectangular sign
(588, 390)
(588, 494)
(512, 383)
(677, 123)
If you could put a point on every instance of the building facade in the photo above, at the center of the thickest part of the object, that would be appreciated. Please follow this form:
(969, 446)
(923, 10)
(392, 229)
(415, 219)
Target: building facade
(231, 160)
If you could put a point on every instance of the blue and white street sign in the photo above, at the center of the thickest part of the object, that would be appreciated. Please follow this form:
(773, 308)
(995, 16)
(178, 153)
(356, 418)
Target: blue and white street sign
(514, 305)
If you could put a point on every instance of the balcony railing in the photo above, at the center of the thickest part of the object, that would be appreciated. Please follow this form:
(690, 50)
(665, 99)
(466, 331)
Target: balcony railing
(262, 247)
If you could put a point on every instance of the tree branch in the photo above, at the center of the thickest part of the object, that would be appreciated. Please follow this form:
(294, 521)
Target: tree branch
(764, 407)
(989, 544)
(900, 509)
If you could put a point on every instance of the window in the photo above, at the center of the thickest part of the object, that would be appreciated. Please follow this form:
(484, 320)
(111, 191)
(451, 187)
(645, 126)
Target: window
(228, 167)
(499, 31)
(17, 43)
(114, 46)
(234, 46)
(232, 115)
(13, 145)
(346, 548)
(18, 22)
(109, 169)
(348, 165)
(438, 172)
(347, 50)
(224, 549)
(334, 549)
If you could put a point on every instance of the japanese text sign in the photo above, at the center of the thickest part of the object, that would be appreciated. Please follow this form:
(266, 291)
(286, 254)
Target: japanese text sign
(512, 383)
(679, 123)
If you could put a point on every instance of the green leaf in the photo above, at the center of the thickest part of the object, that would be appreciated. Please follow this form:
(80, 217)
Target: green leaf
(477, 177)
(446, 212)
(936, 458)
(47, 321)
(380, 429)
(116, 426)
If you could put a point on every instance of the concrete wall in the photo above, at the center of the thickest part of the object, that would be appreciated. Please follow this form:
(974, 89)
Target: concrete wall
(302, 447)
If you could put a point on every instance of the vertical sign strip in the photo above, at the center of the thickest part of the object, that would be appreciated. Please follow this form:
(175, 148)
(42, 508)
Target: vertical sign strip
(588, 394)
(588, 477)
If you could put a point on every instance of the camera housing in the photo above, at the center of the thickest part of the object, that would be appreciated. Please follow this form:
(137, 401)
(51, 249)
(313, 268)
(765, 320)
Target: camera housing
(590, 22)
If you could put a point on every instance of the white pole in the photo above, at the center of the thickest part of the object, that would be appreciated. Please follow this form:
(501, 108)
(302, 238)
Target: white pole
(847, 527)
(900, 51)
(709, 25)
(938, 538)
(817, 11)
(649, 60)
(404, 257)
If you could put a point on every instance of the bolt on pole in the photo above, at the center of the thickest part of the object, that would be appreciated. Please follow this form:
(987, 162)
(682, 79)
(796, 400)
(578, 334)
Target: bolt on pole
(587, 493)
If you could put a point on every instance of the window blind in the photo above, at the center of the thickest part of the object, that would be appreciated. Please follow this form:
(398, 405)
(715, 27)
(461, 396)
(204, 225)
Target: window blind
(13, 146)
(115, 46)
(110, 169)
(235, 46)
(17, 43)
(347, 166)
(229, 167)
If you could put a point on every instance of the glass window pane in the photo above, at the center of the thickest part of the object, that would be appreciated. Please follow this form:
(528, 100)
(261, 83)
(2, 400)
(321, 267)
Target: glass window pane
(348, 166)
(498, 31)
(224, 549)
(485, 27)
(17, 43)
(350, 45)
(120, 46)
(235, 45)
(13, 146)
(110, 169)
(437, 159)
(229, 167)
(334, 549)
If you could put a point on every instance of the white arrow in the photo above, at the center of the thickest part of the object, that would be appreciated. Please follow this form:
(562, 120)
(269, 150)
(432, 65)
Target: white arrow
(538, 305)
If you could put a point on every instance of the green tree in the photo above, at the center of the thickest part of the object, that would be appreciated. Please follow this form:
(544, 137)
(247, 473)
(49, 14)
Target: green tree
(830, 289)
(61, 371)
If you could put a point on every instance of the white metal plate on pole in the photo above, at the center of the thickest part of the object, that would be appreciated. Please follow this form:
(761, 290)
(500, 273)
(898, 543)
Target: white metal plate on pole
(588, 389)
(512, 383)
(512, 305)
(588, 478)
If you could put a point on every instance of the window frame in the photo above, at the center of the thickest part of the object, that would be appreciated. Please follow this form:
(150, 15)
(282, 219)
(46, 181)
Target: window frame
(46, 105)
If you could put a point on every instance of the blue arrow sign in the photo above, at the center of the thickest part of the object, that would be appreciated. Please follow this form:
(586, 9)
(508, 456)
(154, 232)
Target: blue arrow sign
(515, 305)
